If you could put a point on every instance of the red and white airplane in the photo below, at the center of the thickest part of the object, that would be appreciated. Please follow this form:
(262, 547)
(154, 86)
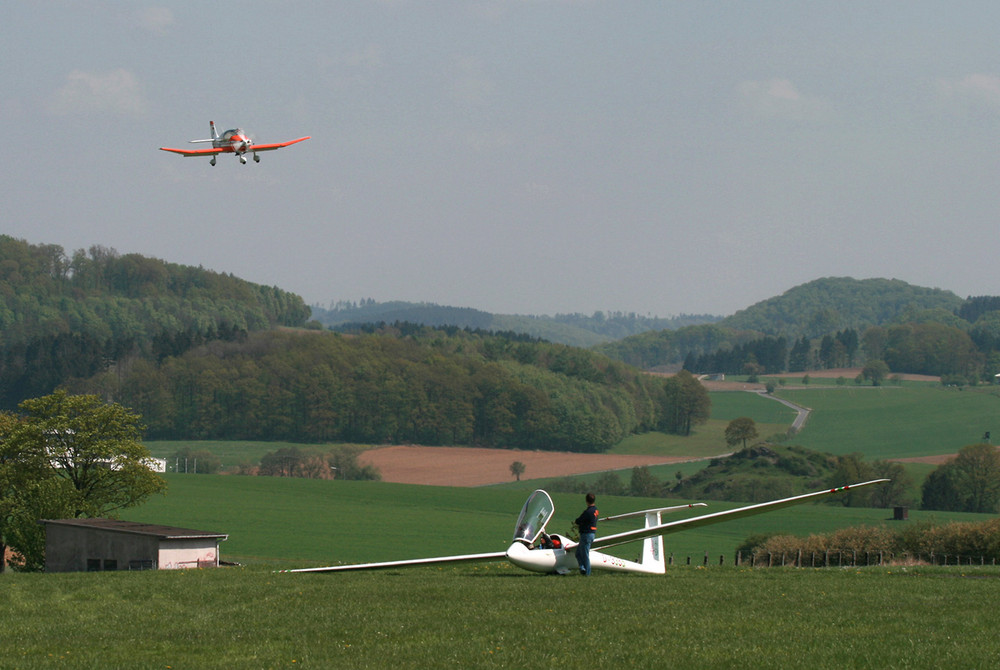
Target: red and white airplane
(234, 141)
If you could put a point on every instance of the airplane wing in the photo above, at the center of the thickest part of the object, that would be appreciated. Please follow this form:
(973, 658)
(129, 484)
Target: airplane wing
(279, 145)
(194, 152)
(437, 560)
(717, 517)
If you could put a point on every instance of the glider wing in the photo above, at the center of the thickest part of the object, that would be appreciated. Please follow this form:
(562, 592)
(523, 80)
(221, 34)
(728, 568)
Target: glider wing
(718, 517)
(438, 560)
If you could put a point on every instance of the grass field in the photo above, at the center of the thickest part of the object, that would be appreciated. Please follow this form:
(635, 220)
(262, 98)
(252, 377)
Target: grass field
(285, 522)
(896, 422)
(481, 615)
(230, 452)
(709, 439)
(497, 617)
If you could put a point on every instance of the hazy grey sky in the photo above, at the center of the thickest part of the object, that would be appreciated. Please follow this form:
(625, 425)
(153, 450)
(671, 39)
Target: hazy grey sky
(528, 156)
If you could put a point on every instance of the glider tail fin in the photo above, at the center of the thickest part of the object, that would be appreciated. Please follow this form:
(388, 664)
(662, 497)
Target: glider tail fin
(652, 547)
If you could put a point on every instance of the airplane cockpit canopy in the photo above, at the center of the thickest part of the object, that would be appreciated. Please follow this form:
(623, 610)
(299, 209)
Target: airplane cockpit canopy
(537, 511)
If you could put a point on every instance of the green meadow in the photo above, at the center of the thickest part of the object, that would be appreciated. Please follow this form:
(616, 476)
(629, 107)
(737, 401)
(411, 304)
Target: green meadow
(896, 422)
(488, 615)
(494, 616)
(285, 522)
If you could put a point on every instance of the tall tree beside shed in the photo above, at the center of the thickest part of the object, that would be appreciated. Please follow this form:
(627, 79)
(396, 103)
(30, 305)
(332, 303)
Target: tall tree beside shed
(17, 470)
(92, 448)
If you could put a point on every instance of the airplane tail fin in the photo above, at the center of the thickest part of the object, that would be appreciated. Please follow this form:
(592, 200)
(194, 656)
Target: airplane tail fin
(213, 138)
(652, 547)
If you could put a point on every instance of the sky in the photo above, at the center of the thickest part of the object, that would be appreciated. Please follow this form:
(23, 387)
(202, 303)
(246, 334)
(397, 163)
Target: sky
(515, 156)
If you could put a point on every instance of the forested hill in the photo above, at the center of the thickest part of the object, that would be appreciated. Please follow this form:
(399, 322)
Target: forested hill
(833, 303)
(578, 330)
(824, 323)
(64, 316)
(415, 385)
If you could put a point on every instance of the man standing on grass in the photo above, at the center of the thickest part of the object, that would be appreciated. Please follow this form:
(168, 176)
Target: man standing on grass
(587, 523)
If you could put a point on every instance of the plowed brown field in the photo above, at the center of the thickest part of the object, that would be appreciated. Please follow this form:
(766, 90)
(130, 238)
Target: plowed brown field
(464, 466)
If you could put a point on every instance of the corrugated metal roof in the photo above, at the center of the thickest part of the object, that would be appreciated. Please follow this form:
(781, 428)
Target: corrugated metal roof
(137, 528)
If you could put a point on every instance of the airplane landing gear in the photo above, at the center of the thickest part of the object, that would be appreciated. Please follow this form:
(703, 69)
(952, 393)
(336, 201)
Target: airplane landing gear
(212, 162)
(256, 158)
(243, 159)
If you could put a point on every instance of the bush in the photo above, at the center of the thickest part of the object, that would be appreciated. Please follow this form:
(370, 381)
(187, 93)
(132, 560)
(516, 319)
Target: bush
(970, 540)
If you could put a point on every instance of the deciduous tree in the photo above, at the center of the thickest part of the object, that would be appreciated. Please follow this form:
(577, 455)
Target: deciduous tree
(970, 482)
(71, 456)
(686, 404)
(93, 448)
(875, 371)
(517, 469)
(740, 430)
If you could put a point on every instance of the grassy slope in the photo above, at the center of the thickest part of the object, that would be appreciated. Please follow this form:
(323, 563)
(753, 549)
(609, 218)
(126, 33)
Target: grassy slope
(895, 422)
(295, 522)
(500, 617)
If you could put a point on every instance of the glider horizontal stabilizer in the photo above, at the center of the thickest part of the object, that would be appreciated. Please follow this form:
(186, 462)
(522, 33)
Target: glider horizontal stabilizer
(644, 512)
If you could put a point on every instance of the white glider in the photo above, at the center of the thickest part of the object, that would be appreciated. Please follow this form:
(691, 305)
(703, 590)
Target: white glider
(535, 550)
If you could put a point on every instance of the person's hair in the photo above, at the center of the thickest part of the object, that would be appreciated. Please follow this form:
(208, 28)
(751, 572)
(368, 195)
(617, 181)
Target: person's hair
(591, 498)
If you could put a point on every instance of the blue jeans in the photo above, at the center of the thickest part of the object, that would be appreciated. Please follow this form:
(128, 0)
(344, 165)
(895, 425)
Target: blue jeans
(583, 552)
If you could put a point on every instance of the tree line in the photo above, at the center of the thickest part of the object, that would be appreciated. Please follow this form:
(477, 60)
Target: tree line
(404, 383)
(923, 348)
(832, 323)
(64, 316)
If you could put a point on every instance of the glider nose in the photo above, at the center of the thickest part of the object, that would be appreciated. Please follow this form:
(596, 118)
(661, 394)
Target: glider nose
(535, 560)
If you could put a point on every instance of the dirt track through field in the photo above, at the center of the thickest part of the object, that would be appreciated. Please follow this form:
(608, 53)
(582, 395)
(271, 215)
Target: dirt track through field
(465, 466)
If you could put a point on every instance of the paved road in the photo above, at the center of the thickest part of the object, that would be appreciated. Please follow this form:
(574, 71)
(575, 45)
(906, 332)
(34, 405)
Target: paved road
(803, 412)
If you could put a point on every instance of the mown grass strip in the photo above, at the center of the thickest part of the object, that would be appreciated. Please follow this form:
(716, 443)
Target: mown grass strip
(496, 616)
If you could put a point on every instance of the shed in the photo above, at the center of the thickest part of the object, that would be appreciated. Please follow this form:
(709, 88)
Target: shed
(76, 545)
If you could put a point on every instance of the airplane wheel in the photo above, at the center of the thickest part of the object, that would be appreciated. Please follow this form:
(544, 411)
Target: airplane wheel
(256, 158)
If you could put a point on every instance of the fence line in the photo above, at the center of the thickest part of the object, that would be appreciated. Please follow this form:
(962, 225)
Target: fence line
(839, 559)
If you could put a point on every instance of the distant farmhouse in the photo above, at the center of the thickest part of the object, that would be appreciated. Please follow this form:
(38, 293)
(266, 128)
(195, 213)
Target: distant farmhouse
(156, 464)
(77, 545)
